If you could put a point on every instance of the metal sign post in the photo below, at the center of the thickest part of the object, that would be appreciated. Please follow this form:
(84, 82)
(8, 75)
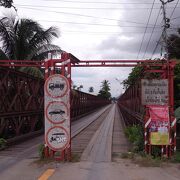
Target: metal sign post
(157, 95)
(57, 109)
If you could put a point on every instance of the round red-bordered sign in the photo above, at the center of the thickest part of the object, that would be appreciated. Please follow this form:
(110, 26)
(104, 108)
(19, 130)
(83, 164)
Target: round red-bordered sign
(56, 86)
(57, 138)
(57, 112)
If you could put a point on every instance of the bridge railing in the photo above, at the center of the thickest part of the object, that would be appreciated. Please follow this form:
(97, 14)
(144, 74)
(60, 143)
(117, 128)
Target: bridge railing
(83, 103)
(22, 103)
(130, 105)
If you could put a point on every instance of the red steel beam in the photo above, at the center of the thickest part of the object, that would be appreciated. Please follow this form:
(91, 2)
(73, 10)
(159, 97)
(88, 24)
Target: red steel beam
(82, 63)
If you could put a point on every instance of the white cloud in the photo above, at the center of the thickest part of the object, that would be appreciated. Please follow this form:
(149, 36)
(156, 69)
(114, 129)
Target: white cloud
(117, 39)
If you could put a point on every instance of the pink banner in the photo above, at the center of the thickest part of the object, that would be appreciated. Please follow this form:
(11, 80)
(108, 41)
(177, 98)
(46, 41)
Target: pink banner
(159, 125)
(159, 118)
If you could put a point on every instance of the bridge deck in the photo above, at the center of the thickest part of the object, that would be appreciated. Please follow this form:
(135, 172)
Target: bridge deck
(95, 137)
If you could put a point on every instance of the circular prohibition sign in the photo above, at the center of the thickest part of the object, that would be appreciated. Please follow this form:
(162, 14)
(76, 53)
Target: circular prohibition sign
(56, 86)
(57, 138)
(57, 112)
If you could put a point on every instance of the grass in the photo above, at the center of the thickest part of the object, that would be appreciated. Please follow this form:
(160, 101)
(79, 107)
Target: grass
(176, 157)
(145, 160)
(75, 157)
(3, 143)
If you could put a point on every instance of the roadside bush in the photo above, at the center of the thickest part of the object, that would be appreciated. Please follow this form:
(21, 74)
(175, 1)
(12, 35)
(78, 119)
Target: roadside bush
(176, 157)
(156, 151)
(3, 143)
(135, 135)
(41, 149)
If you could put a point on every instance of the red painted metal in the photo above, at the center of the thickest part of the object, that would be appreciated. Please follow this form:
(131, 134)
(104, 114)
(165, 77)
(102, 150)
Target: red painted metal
(130, 103)
(21, 103)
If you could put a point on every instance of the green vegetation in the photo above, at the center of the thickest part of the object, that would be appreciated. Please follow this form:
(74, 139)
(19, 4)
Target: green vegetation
(34, 71)
(177, 85)
(105, 90)
(174, 45)
(6, 3)
(135, 136)
(132, 77)
(75, 157)
(174, 53)
(176, 157)
(41, 149)
(91, 89)
(3, 143)
(25, 39)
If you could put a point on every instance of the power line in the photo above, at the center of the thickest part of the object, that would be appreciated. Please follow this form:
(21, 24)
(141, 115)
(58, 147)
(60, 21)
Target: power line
(145, 29)
(154, 51)
(97, 24)
(175, 18)
(105, 2)
(82, 15)
(152, 33)
(93, 32)
(174, 9)
(166, 25)
(90, 8)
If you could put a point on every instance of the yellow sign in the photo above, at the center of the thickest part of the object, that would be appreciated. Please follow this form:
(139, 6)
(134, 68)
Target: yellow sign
(157, 138)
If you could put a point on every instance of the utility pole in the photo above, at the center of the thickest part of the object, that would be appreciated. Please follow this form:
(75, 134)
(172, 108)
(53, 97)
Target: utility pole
(166, 26)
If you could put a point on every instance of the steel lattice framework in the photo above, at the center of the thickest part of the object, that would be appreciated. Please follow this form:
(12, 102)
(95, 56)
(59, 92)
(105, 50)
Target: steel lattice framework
(21, 103)
(131, 100)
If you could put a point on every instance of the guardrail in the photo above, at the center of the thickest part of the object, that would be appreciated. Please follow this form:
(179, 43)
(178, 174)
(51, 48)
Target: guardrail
(83, 103)
(130, 105)
(22, 103)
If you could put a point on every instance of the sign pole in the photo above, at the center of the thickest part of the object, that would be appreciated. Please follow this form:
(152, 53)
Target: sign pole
(57, 109)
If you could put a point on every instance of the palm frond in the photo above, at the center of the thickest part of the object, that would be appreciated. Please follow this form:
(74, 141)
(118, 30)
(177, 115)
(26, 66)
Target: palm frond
(26, 39)
(43, 37)
(7, 35)
(3, 56)
(34, 71)
(42, 52)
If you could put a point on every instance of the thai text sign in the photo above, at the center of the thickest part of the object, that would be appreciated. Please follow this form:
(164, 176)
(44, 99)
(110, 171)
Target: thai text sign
(154, 91)
(159, 125)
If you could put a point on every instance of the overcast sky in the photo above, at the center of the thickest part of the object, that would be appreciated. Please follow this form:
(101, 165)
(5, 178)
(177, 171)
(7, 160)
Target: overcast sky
(103, 29)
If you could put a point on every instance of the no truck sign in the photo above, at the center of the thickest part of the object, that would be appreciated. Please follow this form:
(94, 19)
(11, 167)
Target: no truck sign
(56, 86)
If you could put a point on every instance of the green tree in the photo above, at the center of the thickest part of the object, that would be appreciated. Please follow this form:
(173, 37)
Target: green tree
(132, 77)
(32, 71)
(80, 87)
(26, 39)
(91, 89)
(6, 3)
(174, 53)
(105, 90)
(174, 45)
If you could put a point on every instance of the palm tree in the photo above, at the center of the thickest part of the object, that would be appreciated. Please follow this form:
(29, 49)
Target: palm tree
(80, 87)
(105, 90)
(26, 39)
(6, 3)
(91, 89)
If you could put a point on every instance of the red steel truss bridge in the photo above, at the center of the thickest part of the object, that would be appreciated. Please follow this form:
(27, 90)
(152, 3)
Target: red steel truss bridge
(22, 96)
